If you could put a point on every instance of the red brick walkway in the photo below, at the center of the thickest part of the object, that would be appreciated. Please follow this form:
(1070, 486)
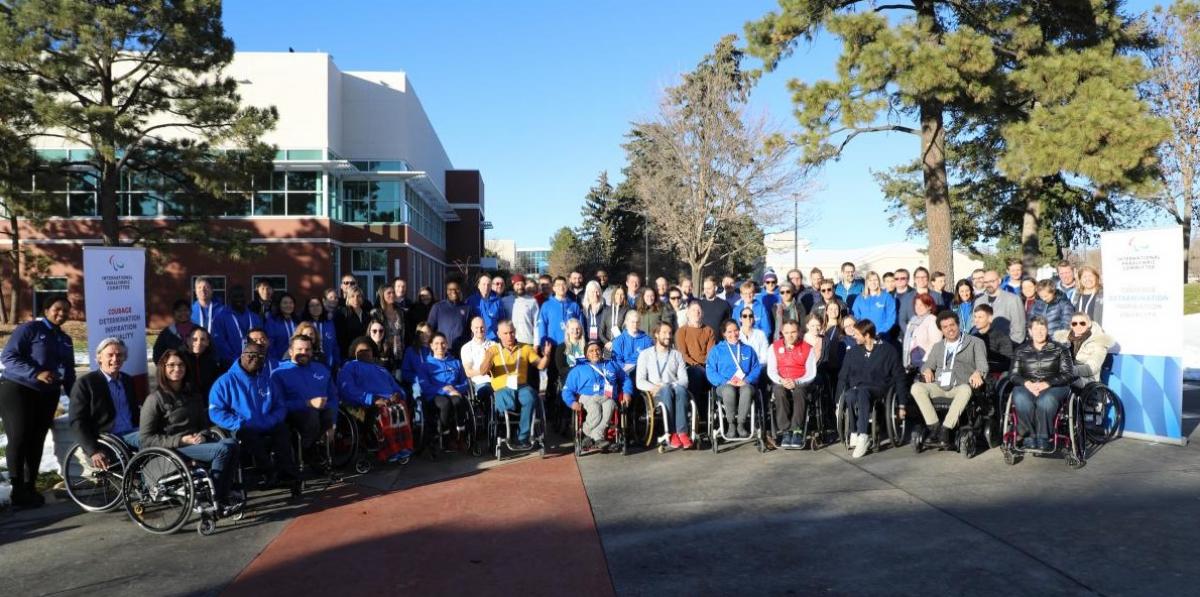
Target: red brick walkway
(520, 529)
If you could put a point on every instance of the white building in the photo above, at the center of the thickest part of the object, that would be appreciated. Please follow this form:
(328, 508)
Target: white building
(782, 253)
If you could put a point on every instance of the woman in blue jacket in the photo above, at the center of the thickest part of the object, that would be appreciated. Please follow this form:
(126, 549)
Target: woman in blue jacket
(444, 385)
(281, 326)
(733, 369)
(876, 305)
(963, 302)
(595, 386)
(39, 365)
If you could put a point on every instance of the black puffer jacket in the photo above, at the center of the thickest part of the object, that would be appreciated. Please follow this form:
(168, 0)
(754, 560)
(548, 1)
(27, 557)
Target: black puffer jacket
(1052, 364)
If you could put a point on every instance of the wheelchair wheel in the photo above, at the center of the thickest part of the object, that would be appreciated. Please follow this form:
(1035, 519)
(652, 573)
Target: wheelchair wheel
(1077, 447)
(1010, 457)
(842, 418)
(159, 491)
(896, 425)
(577, 425)
(713, 430)
(206, 526)
(1103, 413)
(650, 414)
(344, 448)
(622, 431)
(93, 489)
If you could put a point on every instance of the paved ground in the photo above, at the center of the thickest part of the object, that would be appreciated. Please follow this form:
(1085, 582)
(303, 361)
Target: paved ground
(689, 524)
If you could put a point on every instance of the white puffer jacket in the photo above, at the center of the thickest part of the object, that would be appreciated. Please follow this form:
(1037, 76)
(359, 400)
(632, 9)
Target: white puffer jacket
(1091, 354)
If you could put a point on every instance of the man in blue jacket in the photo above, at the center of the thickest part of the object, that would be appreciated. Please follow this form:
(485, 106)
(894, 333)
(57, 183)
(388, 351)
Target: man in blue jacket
(630, 344)
(206, 309)
(488, 305)
(596, 387)
(233, 326)
(307, 390)
(241, 401)
(850, 286)
(556, 312)
(451, 317)
(762, 317)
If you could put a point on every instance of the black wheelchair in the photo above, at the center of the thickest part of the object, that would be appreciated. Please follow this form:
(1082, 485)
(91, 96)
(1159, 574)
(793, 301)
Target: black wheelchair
(717, 421)
(885, 421)
(164, 488)
(95, 489)
(977, 425)
(817, 426)
(424, 425)
(503, 427)
(1068, 432)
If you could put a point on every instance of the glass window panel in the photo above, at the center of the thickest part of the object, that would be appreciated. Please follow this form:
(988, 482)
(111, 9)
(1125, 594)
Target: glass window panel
(53, 155)
(304, 154)
(278, 283)
(84, 181)
(143, 204)
(280, 154)
(303, 181)
(269, 204)
(239, 204)
(361, 166)
(278, 179)
(80, 155)
(390, 166)
(302, 204)
(82, 204)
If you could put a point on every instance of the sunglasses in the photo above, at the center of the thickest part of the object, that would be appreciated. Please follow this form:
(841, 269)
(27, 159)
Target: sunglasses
(771, 282)
(675, 297)
(747, 317)
(826, 290)
(253, 356)
(1078, 324)
(901, 278)
(376, 331)
(349, 283)
(785, 292)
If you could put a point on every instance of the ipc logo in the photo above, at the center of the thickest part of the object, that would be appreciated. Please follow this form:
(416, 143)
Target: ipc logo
(116, 265)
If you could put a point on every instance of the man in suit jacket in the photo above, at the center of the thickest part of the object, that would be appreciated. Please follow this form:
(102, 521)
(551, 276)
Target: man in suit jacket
(103, 401)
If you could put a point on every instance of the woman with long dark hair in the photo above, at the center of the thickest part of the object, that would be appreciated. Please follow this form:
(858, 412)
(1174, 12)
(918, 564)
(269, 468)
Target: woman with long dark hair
(203, 368)
(280, 326)
(322, 320)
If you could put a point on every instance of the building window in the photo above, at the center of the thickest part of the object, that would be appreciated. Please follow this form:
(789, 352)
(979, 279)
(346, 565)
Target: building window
(369, 267)
(217, 283)
(45, 288)
(278, 283)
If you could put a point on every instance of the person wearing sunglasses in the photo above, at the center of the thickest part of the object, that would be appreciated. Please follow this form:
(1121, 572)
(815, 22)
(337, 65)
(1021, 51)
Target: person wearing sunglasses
(824, 296)
(242, 402)
(749, 300)
(678, 302)
(770, 293)
(350, 283)
(752, 336)
(789, 308)
(1089, 347)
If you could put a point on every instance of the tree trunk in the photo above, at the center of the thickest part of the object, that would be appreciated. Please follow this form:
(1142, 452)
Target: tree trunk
(1030, 225)
(697, 273)
(933, 162)
(937, 189)
(1187, 226)
(14, 255)
(110, 181)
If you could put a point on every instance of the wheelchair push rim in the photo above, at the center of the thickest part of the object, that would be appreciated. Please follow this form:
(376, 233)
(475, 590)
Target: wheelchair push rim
(93, 489)
(159, 491)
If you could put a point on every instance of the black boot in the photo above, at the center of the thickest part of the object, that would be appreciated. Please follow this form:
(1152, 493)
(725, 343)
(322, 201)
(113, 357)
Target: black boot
(933, 435)
(944, 435)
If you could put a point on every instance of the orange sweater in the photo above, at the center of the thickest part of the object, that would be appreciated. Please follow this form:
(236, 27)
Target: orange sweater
(695, 343)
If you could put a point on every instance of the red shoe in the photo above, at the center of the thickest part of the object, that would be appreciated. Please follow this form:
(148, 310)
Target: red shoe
(685, 440)
(675, 443)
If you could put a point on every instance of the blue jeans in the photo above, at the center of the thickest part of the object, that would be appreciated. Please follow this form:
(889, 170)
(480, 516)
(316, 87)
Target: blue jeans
(132, 440)
(508, 399)
(1039, 411)
(675, 397)
(858, 401)
(218, 454)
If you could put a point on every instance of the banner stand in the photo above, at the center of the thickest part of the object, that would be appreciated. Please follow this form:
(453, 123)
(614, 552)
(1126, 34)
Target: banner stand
(114, 293)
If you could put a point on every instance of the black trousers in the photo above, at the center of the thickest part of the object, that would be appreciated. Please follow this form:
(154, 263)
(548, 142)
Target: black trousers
(451, 411)
(28, 415)
(791, 407)
(261, 444)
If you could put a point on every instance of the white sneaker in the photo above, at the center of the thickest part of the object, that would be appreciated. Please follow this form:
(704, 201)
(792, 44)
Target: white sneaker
(860, 450)
(853, 441)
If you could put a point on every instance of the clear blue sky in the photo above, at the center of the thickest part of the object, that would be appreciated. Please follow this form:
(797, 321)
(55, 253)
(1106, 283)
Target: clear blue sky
(538, 95)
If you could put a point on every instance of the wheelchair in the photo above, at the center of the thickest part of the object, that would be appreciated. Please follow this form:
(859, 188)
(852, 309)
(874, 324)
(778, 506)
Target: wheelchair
(93, 489)
(717, 420)
(1068, 432)
(651, 414)
(163, 489)
(815, 431)
(975, 428)
(615, 433)
(438, 443)
(502, 428)
(885, 421)
(1102, 412)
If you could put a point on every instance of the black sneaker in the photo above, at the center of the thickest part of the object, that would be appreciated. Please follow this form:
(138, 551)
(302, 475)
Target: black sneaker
(587, 443)
(230, 509)
(603, 445)
(521, 445)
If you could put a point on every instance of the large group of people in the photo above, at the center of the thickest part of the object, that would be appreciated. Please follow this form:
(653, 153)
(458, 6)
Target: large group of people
(276, 366)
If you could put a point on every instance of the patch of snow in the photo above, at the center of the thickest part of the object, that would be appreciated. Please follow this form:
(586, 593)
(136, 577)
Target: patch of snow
(1191, 347)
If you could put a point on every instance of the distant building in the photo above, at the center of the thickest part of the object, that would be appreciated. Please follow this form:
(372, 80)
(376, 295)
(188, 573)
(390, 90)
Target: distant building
(505, 250)
(362, 186)
(533, 260)
(783, 254)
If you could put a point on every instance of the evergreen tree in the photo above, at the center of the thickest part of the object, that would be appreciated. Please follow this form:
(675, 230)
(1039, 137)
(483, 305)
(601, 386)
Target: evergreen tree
(565, 252)
(139, 83)
(608, 225)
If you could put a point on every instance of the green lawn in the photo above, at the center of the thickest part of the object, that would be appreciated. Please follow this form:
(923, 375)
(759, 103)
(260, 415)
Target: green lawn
(1191, 299)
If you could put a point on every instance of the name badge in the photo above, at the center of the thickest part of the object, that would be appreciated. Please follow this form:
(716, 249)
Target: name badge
(608, 390)
(739, 376)
(511, 382)
(593, 333)
(944, 379)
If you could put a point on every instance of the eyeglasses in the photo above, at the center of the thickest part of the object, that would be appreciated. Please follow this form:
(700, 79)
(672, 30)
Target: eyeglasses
(901, 278)
(771, 282)
(826, 290)
(253, 356)
(785, 292)
(1078, 324)
(349, 283)
(376, 331)
(675, 297)
(747, 317)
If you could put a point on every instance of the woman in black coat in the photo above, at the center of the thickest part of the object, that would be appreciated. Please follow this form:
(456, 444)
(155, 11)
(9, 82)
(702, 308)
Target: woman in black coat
(1041, 377)
(203, 368)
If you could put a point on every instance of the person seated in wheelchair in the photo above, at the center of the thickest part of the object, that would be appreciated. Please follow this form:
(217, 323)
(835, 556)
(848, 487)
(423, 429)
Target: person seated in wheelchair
(510, 364)
(661, 371)
(595, 387)
(733, 369)
(791, 367)
(443, 386)
(630, 344)
(307, 388)
(365, 384)
(104, 401)
(954, 368)
(472, 360)
(997, 342)
(242, 402)
(175, 416)
(1089, 347)
(869, 369)
(1041, 375)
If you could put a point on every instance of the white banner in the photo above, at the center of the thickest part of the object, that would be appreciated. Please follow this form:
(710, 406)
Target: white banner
(114, 294)
(1143, 290)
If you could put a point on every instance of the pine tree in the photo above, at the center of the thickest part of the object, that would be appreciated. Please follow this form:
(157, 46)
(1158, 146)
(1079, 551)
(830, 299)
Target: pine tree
(139, 83)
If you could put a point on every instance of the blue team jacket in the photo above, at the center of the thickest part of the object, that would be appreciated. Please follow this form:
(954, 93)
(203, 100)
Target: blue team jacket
(436, 374)
(626, 348)
(491, 309)
(359, 383)
(296, 385)
(720, 367)
(880, 309)
(229, 332)
(553, 317)
(584, 380)
(762, 319)
(239, 399)
(37, 346)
